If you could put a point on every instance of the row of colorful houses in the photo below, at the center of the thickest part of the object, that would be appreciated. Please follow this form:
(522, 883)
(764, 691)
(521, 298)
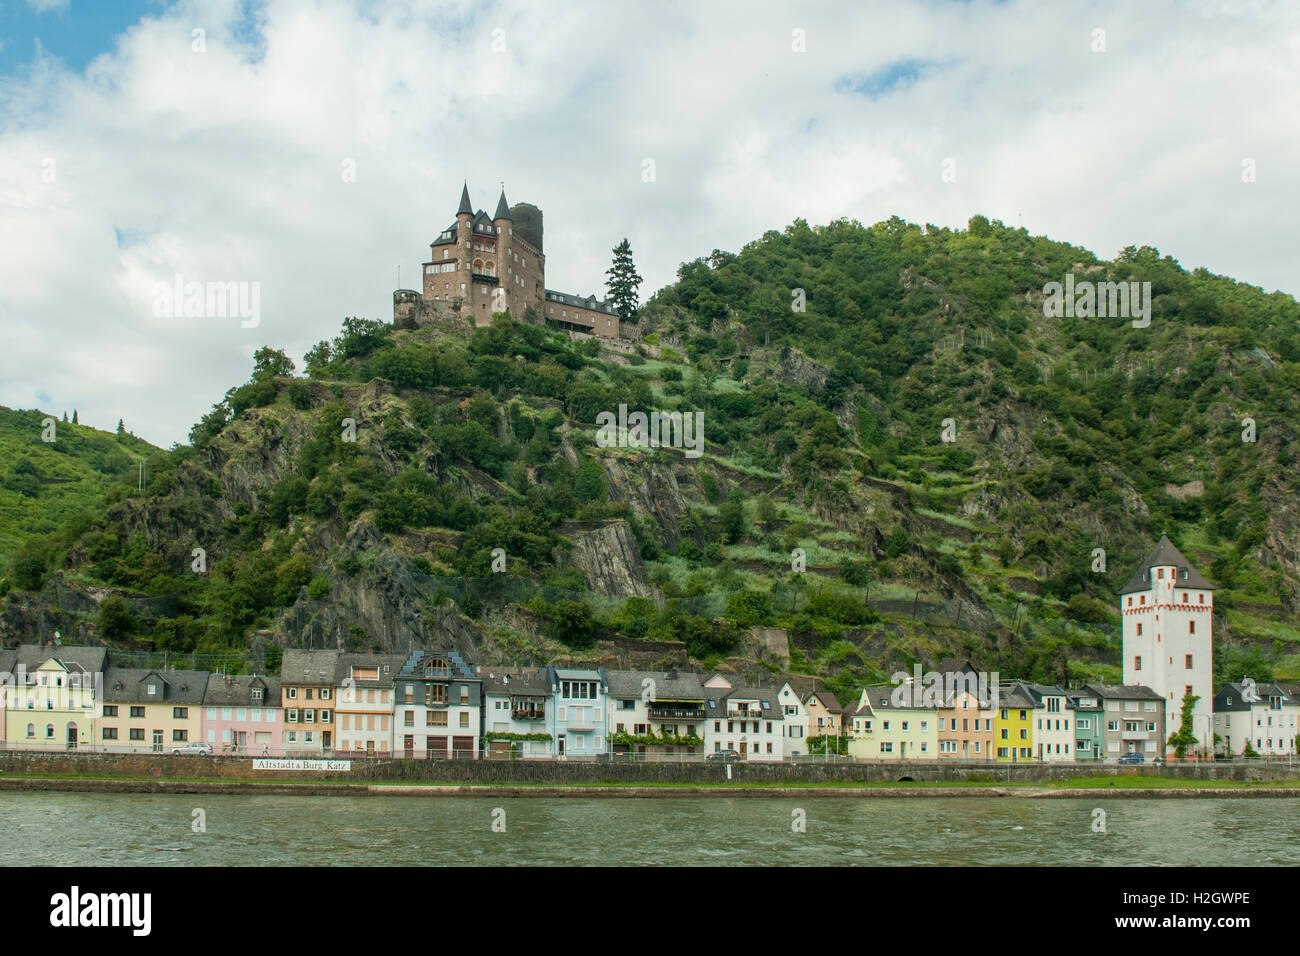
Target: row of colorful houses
(433, 704)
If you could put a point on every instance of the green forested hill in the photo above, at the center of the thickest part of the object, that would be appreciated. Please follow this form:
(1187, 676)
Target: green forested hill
(44, 484)
(825, 443)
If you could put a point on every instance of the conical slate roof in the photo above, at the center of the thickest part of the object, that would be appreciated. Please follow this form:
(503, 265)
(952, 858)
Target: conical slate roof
(465, 206)
(503, 208)
(1166, 555)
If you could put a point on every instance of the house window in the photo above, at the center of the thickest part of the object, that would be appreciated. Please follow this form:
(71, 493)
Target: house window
(293, 693)
(110, 733)
(31, 730)
(110, 710)
(1189, 661)
(180, 736)
(137, 711)
(136, 733)
(180, 713)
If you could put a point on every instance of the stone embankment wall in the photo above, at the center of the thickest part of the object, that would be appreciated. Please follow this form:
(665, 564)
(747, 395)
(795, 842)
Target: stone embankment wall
(570, 772)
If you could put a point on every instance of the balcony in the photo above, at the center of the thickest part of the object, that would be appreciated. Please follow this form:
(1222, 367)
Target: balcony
(484, 278)
(662, 713)
(744, 715)
(1135, 735)
(580, 723)
(528, 714)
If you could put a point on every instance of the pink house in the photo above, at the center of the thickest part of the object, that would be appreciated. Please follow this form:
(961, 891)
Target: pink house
(241, 715)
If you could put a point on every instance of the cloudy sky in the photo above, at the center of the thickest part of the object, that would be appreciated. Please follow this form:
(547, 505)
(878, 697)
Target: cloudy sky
(314, 148)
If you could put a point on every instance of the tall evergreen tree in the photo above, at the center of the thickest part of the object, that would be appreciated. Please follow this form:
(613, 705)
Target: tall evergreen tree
(121, 429)
(74, 417)
(623, 282)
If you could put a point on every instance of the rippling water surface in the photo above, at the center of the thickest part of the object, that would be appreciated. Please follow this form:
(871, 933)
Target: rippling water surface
(146, 829)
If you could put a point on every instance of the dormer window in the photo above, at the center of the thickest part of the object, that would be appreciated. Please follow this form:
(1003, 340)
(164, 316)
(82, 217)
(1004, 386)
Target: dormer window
(152, 689)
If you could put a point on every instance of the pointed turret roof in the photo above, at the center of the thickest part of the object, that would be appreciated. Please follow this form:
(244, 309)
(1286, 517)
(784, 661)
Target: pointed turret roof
(503, 208)
(465, 207)
(1166, 555)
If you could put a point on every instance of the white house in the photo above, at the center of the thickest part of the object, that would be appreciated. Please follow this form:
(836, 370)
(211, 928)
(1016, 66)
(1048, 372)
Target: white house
(517, 712)
(747, 720)
(795, 714)
(1265, 715)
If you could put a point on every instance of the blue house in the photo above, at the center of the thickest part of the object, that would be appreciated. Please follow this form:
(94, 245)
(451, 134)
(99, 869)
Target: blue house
(578, 701)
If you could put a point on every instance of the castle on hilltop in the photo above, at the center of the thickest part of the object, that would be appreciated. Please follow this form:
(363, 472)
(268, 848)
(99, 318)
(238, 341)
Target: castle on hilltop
(480, 265)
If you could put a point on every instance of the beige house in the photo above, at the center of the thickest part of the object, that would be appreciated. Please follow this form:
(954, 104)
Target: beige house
(150, 711)
(363, 712)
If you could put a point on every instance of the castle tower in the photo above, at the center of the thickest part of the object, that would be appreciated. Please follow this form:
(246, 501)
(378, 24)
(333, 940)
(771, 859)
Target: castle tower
(508, 298)
(1167, 610)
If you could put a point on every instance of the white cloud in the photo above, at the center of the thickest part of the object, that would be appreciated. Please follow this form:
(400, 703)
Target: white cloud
(225, 165)
(48, 6)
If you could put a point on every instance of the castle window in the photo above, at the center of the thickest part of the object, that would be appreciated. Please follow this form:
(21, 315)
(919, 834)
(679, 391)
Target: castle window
(1139, 630)
(1137, 663)
(1130, 602)
(1202, 597)
(1191, 627)
(1142, 599)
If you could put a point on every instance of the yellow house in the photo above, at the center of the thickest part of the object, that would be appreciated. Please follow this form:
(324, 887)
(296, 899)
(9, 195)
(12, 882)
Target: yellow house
(1013, 727)
(50, 697)
(150, 711)
(889, 725)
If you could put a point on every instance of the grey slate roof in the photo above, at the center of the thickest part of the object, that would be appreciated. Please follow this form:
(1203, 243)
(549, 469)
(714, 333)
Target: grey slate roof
(447, 237)
(1123, 692)
(8, 661)
(236, 690)
(503, 208)
(715, 702)
(827, 700)
(515, 681)
(465, 205)
(129, 685)
(393, 663)
(413, 669)
(1263, 691)
(318, 668)
(482, 225)
(668, 685)
(1166, 554)
(880, 697)
(1015, 696)
(87, 659)
(590, 302)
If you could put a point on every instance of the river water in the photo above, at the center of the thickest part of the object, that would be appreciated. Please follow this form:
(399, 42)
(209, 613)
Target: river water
(88, 829)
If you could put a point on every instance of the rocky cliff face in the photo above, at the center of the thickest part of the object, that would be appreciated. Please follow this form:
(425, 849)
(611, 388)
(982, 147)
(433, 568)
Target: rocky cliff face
(607, 554)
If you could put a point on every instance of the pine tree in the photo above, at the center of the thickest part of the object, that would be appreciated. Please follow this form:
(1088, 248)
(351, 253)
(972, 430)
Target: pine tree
(74, 417)
(623, 282)
(121, 429)
(65, 415)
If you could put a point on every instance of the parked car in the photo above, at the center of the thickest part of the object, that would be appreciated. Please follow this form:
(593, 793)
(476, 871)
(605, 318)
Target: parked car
(195, 747)
(723, 755)
(1133, 758)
